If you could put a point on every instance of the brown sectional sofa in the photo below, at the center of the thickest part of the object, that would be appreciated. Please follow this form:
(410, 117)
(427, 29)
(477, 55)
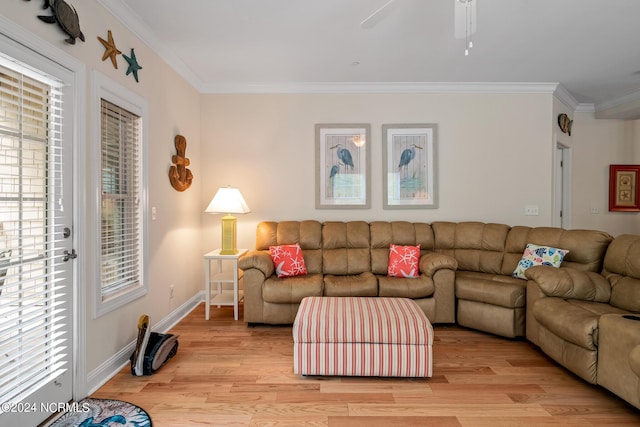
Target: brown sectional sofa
(466, 277)
(488, 297)
(344, 259)
(585, 320)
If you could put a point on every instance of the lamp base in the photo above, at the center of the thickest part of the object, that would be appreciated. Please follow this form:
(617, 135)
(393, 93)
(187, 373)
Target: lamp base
(229, 246)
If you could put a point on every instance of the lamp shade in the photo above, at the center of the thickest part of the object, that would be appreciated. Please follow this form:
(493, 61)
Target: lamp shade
(228, 200)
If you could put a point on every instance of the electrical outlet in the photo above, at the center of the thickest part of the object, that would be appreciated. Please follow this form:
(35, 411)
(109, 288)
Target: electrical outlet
(531, 210)
(171, 292)
(595, 210)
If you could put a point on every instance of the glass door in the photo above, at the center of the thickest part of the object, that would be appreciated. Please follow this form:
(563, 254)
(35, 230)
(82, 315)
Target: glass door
(36, 268)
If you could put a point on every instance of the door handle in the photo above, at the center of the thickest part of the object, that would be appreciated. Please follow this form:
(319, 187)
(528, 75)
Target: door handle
(69, 255)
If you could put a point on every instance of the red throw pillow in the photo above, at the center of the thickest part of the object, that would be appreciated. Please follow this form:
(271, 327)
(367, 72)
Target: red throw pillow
(288, 260)
(404, 261)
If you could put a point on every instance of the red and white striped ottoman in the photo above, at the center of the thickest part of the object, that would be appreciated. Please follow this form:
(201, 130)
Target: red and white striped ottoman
(362, 336)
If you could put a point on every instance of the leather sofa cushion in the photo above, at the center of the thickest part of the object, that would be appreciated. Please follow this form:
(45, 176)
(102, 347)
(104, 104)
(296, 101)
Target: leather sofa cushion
(569, 283)
(622, 270)
(307, 233)
(586, 247)
(400, 287)
(574, 321)
(404, 233)
(271, 233)
(634, 360)
(475, 245)
(623, 256)
(625, 292)
(503, 291)
(291, 290)
(359, 285)
(346, 248)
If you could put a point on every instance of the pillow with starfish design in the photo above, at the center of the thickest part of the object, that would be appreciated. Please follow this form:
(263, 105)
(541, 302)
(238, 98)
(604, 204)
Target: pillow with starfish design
(404, 261)
(288, 260)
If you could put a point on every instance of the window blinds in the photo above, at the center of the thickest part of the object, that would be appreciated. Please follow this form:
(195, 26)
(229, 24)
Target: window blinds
(34, 344)
(121, 208)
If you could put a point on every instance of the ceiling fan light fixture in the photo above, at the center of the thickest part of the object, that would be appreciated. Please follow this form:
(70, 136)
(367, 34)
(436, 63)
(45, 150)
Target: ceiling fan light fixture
(465, 22)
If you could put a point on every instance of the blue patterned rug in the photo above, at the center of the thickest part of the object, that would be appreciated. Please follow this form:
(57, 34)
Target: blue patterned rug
(104, 413)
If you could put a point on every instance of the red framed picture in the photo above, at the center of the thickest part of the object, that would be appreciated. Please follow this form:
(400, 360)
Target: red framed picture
(624, 188)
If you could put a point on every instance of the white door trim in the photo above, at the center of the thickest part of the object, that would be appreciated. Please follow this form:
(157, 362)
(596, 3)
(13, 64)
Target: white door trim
(49, 52)
(561, 200)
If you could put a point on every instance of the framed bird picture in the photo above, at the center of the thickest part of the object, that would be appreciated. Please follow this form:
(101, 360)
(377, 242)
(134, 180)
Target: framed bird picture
(343, 166)
(409, 166)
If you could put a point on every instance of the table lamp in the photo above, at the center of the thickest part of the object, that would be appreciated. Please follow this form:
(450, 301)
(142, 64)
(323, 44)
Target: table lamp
(228, 201)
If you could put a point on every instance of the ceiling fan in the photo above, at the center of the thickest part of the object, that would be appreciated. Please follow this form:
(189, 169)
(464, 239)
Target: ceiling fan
(378, 15)
(464, 19)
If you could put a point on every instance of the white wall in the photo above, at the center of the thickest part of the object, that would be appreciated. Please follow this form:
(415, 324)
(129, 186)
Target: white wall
(494, 155)
(597, 144)
(174, 255)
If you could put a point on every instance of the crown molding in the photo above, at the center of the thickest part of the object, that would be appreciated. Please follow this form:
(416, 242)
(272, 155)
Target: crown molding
(570, 101)
(565, 96)
(626, 107)
(127, 17)
(382, 87)
(630, 98)
(585, 108)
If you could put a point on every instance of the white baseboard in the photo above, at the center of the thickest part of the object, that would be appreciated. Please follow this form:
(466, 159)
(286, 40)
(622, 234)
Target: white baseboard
(107, 370)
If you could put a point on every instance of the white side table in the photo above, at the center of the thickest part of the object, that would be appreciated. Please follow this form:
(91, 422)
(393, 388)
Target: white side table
(222, 297)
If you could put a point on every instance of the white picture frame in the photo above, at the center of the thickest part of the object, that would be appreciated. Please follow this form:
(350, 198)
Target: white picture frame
(343, 166)
(409, 166)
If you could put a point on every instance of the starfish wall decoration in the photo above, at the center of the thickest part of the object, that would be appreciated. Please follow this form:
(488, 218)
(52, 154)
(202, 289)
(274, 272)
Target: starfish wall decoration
(111, 51)
(133, 65)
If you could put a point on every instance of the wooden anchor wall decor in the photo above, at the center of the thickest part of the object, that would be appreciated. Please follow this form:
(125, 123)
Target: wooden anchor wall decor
(180, 177)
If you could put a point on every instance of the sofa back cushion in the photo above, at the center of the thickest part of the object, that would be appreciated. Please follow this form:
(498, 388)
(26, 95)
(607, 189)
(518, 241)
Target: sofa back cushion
(477, 246)
(345, 247)
(307, 233)
(402, 233)
(622, 269)
(586, 247)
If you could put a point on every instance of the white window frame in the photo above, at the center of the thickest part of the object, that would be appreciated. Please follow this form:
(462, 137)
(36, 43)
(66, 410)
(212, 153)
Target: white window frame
(105, 88)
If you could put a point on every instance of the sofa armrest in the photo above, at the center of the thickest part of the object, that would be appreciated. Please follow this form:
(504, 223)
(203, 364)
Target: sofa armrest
(257, 259)
(570, 283)
(431, 262)
(634, 360)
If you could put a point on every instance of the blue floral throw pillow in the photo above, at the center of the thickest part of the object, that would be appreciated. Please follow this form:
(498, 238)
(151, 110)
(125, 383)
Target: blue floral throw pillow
(539, 255)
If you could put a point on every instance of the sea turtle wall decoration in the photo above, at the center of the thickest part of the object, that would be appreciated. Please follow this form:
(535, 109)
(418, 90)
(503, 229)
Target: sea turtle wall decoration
(66, 17)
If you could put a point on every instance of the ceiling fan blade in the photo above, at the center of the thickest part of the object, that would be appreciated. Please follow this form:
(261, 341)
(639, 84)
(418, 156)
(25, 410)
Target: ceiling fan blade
(377, 16)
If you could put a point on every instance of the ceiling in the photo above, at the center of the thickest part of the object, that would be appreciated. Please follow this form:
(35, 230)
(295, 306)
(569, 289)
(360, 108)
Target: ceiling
(590, 47)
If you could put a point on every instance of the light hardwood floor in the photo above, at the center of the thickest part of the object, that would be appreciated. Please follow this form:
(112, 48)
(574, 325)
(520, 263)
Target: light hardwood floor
(228, 374)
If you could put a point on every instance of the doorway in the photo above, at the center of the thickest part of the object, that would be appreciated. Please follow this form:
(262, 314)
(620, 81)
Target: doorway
(36, 235)
(562, 186)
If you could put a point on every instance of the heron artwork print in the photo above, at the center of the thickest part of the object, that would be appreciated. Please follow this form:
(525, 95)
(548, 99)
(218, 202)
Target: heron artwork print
(342, 166)
(409, 158)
